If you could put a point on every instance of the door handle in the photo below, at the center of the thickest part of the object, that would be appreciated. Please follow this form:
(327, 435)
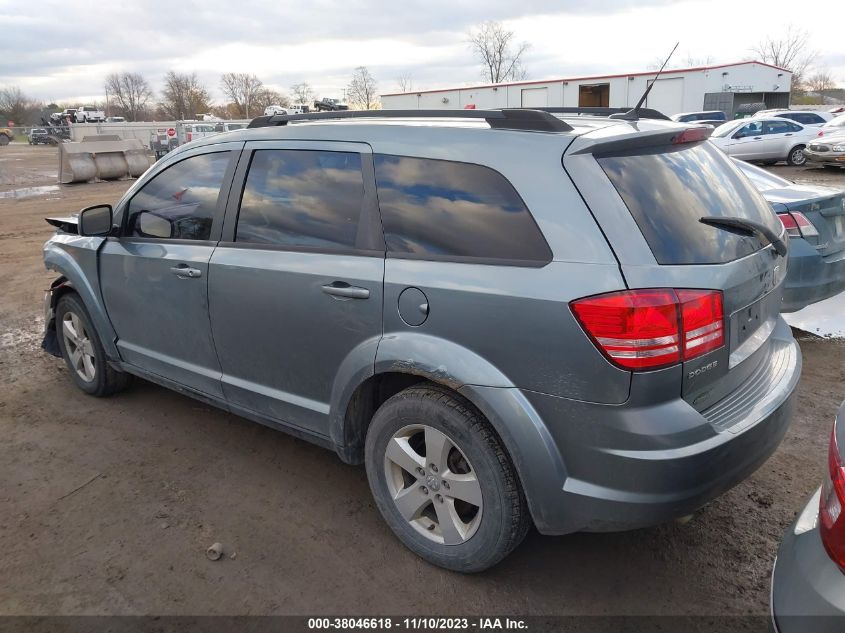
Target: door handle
(345, 291)
(788, 134)
(757, 138)
(186, 272)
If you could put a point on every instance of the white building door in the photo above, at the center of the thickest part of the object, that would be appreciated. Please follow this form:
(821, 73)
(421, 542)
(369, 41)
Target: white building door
(535, 97)
(667, 96)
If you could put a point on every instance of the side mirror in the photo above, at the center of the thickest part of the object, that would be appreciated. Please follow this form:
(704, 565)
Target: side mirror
(95, 221)
(739, 135)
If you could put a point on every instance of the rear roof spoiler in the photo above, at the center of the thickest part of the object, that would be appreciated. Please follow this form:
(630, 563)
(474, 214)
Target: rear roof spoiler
(615, 143)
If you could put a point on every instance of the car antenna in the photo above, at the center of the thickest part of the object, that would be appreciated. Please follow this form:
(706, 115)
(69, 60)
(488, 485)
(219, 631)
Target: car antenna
(634, 114)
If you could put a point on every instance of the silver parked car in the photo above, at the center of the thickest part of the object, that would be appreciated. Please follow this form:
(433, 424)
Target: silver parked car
(827, 151)
(814, 218)
(808, 582)
(509, 317)
(768, 140)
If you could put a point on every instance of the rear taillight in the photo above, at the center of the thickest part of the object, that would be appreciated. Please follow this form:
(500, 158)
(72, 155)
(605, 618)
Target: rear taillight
(832, 522)
(189, 136)
(797, 224)
(647, 329)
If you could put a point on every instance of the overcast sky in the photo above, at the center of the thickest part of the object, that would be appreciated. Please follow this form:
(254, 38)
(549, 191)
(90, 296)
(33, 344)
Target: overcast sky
(61, 51)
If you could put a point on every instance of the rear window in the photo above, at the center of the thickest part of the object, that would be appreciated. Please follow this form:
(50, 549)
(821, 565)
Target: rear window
(668, 190)
(444, 209)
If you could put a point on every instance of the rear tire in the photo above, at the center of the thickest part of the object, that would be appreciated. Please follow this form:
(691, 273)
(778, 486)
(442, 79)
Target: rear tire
(4, 140)
(418, 442)
(82, 351)
(796, 157)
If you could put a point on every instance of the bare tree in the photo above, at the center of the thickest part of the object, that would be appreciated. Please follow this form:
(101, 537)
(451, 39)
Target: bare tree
(497, 52)
(302, 92)
(789, 51)
(267, 97)
(183, 96)
(361, 92)
(242, 89)
(131, 92)
(821, 81)
(16, 106)
(405, 82)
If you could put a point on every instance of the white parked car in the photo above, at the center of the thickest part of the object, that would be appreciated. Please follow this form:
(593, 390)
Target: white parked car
(767, 140)
(294, 108)
(807, 118)
(835, 126)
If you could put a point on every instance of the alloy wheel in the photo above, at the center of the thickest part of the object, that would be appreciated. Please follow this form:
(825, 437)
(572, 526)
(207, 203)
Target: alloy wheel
(433, 484)
(78, 345)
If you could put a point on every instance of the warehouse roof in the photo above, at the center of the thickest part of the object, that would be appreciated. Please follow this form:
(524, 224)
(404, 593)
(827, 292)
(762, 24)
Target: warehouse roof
(590, 78)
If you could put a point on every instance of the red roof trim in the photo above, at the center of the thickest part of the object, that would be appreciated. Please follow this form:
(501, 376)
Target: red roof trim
(551, 81)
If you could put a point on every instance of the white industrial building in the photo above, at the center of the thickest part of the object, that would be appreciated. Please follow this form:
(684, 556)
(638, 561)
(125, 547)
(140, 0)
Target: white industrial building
(720, 87)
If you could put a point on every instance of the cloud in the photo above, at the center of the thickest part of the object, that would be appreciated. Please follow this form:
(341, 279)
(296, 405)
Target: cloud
(53, 51)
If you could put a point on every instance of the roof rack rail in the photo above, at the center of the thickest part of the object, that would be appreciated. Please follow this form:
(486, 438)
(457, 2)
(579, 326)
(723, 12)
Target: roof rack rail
(645, 113)
(532, 120)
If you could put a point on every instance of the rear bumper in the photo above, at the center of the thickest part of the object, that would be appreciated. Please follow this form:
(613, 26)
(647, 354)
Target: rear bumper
(810, 277)
(628, 466)
(808, 589)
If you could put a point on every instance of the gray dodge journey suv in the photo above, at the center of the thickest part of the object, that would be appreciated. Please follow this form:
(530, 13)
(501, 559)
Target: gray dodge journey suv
(510, 317)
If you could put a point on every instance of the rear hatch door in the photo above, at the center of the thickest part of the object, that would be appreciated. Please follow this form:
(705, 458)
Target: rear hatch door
(648, 189)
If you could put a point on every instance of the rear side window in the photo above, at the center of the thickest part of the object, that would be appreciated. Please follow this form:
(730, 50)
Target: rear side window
(446, 209)
(668, 190)
(776, 127)
(302, 198)
(179, 203)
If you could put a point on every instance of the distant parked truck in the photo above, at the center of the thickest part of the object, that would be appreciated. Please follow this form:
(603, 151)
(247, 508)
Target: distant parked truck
(328, 104)
(89, 114)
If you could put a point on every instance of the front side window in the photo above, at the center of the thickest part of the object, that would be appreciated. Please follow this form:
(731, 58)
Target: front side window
(180, 202)
(450, 209)
(302, 198)
(752, 129)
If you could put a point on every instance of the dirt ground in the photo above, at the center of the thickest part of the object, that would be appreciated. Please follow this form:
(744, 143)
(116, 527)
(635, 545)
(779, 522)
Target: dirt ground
(107, 505)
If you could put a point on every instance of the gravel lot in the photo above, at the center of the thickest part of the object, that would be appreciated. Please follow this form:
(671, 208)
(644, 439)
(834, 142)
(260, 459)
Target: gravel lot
(107, 505)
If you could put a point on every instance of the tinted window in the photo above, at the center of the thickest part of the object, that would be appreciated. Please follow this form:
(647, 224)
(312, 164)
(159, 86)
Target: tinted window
(444, 208)
(776, 127)
(752, 129)
(669, 190)
(302, 198)
(182, 198)
(794, 127)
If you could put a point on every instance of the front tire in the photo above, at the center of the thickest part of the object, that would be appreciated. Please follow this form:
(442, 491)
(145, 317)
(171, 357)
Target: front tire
(82, 351)
(796, 156)
(4, 140)
(443, 481)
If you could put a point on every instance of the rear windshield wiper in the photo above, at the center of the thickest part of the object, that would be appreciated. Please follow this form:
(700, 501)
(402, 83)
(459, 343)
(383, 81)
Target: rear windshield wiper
(749, 227)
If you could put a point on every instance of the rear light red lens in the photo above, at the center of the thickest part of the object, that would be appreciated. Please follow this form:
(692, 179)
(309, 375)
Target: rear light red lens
(832, 521)
(702, 318)
(789, 224)
(189, 136)
(647, 329)
(797, 224)
(692, 134)
(804, 225)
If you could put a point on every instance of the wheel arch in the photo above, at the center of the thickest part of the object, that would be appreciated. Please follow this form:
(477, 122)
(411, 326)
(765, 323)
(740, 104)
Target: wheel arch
(77, 273)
